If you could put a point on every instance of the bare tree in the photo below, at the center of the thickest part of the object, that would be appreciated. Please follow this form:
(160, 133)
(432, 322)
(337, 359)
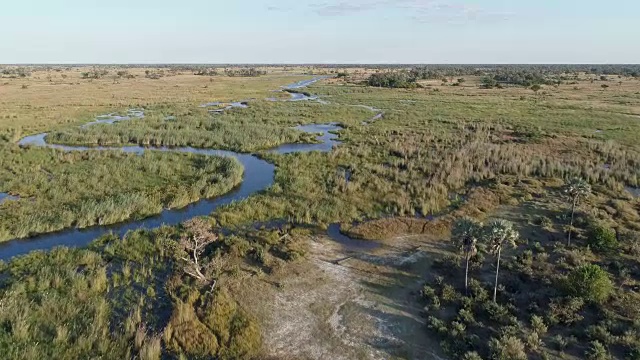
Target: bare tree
(197, 236)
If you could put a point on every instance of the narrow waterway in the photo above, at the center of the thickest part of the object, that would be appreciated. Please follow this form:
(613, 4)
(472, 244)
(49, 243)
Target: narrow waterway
(258, 176)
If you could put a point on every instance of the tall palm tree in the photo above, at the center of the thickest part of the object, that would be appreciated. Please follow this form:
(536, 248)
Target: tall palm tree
(576, 188)
(499, 233)
(464, 234)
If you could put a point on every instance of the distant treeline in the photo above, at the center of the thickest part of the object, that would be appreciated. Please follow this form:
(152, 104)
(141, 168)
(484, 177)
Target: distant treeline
(15, 72)
(494, 75)
(242, 72)
(393, 79)
(431, 70)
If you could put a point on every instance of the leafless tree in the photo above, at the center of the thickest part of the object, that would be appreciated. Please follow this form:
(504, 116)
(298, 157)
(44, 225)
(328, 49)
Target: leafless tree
(197, 236)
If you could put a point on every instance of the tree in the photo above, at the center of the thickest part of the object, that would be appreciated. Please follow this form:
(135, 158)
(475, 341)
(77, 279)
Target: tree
(536, 88)
(488, 82)
(197, 236)
(576, 188)
(499, 233)
(589, 282)
(465, 233)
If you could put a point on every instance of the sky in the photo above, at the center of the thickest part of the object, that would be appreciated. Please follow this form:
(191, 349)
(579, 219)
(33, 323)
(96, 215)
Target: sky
(320, 31)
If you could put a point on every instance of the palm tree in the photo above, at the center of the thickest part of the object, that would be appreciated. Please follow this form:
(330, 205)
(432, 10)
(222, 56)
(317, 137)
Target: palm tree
(576, 188)
(499, 233)
(465, 234)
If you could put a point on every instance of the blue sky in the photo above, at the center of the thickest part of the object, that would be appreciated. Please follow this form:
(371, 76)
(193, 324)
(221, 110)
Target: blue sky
(320, 31)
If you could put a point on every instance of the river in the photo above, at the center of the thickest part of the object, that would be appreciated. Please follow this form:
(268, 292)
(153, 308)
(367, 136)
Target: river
(258, 176)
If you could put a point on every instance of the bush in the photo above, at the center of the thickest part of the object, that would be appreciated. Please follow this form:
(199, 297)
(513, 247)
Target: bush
(599, 333)
(589, 282)
(478, 293)
(430, 297)
(597, 351)
(565, 310)
(449, 294)
(602, 239)
(560, 342)
(538, 325)
(507, 348)
(472, 355)
(499, 313)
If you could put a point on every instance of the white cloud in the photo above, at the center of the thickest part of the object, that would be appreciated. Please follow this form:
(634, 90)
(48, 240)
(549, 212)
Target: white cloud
(420, 10)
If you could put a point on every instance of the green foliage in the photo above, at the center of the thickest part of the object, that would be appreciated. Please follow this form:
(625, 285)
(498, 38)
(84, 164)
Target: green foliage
(498, 234)
(186, 334)
(538, 325)
(565, 311)
(602, 239)
(472, 355)
(589, 282)
(488, 82)
(395, 79)
(477, 291)
(64, 189)
(97, 303)
(507, 348)
(55, 306)
(578, 187)
(597, 351)
(465, 233)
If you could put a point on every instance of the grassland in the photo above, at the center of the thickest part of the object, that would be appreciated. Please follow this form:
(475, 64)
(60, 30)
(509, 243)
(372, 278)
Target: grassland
(60, 190)
(264, 125)
(52, 99)
(439, 149)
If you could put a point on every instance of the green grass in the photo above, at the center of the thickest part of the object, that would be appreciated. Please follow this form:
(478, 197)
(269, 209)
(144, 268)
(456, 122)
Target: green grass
(62, 189)
(261, 126)
(129, 298)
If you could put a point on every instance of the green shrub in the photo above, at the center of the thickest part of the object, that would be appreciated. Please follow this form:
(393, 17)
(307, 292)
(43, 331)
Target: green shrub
(534, 342)
(499, 313)
(560, 342)
(187, 334)
(449, 294)
(599, 333)
(507, 348)
(218, 328)
(466, 316)
(602, 239)
(565, 310)
(589, 282)
(597, 351)
(436, 325)
(538, 325)
(478, 293)
(472, 355)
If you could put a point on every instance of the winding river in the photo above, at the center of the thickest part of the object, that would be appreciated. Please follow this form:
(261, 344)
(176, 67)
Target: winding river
(258, 176)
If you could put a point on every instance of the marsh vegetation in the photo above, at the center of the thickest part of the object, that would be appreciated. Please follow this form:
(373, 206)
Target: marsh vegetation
(70, 189)
(520, 202)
